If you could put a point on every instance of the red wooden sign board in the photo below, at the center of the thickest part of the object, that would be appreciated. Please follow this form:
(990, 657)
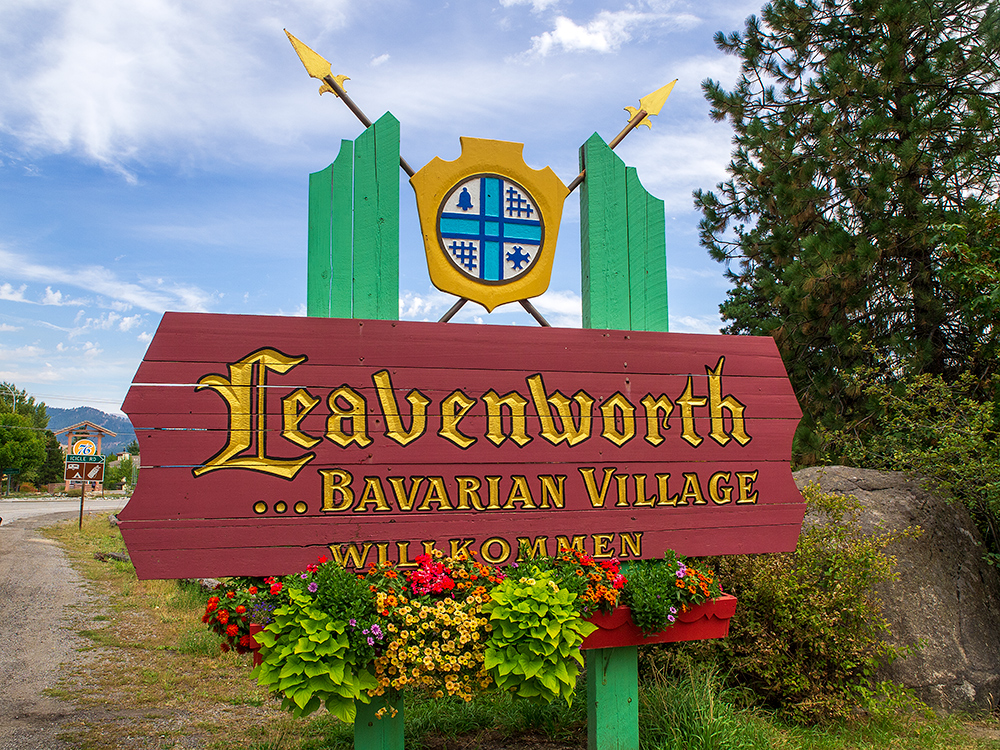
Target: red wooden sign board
(269, 441)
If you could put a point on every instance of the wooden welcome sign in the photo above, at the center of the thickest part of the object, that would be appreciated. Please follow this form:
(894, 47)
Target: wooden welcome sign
(268, 441)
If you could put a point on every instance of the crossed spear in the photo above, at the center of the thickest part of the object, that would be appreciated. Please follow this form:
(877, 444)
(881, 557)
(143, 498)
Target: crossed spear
(319, 67)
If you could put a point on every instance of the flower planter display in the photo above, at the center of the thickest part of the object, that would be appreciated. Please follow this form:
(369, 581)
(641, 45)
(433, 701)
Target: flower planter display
(700, 622)
(615, 629)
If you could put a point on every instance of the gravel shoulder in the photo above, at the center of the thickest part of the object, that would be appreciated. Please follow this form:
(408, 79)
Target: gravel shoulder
(43, 604)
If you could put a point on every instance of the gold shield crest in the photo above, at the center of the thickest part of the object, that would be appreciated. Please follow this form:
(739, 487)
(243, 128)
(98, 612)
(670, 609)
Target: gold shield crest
(489, 222)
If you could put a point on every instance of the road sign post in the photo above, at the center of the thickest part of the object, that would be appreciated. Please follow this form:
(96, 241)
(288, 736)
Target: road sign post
(83, 468)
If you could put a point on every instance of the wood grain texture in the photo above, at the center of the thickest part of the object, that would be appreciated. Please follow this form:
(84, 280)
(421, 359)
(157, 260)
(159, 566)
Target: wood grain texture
(623, 246)
(296, 484)
(603, 238)
(319, 267)
(376, 221)
(342, 234)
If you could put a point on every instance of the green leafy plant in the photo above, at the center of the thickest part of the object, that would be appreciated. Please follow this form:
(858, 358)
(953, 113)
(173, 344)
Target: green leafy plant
(534, 649)
(659, 590)
(307, 657)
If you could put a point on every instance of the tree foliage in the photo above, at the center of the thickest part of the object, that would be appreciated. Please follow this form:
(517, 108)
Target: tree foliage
(22, 448)
(17, 401)
(864, 178)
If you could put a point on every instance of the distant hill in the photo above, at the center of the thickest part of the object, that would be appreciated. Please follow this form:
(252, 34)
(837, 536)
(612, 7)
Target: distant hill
(60, 418)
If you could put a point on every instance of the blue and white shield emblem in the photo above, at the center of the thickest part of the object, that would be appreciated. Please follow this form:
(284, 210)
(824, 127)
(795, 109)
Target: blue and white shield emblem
(490, 228)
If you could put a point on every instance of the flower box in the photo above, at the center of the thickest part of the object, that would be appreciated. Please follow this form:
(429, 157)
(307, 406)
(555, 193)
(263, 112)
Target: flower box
(615, 628)
(708, 620)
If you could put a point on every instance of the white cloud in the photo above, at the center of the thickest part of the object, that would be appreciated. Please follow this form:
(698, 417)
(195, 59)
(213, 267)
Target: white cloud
(145, 337)
(56, 298)
(9, 293)
(5, 328)
(537, 6)
(376, 61)
(127, 324)
(153, 295)
(130, 63)
(606, 32)
(691, 324)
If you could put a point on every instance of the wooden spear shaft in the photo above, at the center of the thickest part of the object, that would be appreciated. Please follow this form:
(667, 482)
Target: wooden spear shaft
(614, 142)
(330, 81)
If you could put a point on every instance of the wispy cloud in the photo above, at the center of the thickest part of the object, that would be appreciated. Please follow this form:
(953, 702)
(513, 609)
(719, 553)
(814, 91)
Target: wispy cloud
(537, 6)
(155, 295)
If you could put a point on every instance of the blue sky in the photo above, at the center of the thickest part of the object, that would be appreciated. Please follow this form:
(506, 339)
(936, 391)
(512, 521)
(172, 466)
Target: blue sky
(154, 155)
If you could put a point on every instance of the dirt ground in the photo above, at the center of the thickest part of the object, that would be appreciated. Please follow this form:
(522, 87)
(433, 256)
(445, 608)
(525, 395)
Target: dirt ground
(43, 604)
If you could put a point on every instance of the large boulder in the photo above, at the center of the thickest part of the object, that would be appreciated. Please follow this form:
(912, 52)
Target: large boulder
(947, 598)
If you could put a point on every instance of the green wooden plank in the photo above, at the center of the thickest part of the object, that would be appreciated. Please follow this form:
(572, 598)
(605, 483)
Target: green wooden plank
(603, 238)
(319, 275)
(374, 733)
(613, 698)
(376, 221)
(657, 303)
(635, 203)
(342, 234)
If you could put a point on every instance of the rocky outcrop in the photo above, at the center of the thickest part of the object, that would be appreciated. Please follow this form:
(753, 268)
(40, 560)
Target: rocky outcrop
(947, 598)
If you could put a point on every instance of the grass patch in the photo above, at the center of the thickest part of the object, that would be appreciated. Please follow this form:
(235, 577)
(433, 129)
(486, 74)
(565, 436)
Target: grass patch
(154, 676)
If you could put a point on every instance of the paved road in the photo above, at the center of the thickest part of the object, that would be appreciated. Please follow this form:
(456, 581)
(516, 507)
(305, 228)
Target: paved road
(18, 509)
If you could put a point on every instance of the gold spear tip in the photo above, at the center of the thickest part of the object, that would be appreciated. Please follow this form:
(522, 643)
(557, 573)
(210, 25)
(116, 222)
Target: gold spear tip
(315, 64)
(652, 103)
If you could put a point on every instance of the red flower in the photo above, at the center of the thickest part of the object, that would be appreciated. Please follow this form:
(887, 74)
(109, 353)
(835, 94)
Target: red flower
(232, 630)
(230, 594)
(322, 559)
(276, 587)
(312, 568)
(223, 616)
(224, 647)
(252, 590)
(240, 609)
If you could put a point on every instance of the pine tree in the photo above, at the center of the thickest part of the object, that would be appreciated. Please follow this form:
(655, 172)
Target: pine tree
(866, 140)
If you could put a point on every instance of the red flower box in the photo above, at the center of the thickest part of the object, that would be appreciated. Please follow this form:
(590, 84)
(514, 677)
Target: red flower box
(708, 620)
(615, 628)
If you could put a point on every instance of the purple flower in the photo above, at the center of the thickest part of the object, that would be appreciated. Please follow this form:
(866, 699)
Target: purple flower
(304, 576)
(312, 587)
(371, 641)
(670, 618)
(352, 622)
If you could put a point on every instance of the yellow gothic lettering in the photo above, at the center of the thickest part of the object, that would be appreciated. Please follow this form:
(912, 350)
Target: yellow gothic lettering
(390, 409)
(455, 406)
(610, 409)
(516, 404)
(245, 393)
(717, 403)
(355, 413)
(573, 431)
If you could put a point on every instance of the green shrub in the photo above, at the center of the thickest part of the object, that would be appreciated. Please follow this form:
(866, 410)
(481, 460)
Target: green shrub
(945, 432)
(807, 637)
